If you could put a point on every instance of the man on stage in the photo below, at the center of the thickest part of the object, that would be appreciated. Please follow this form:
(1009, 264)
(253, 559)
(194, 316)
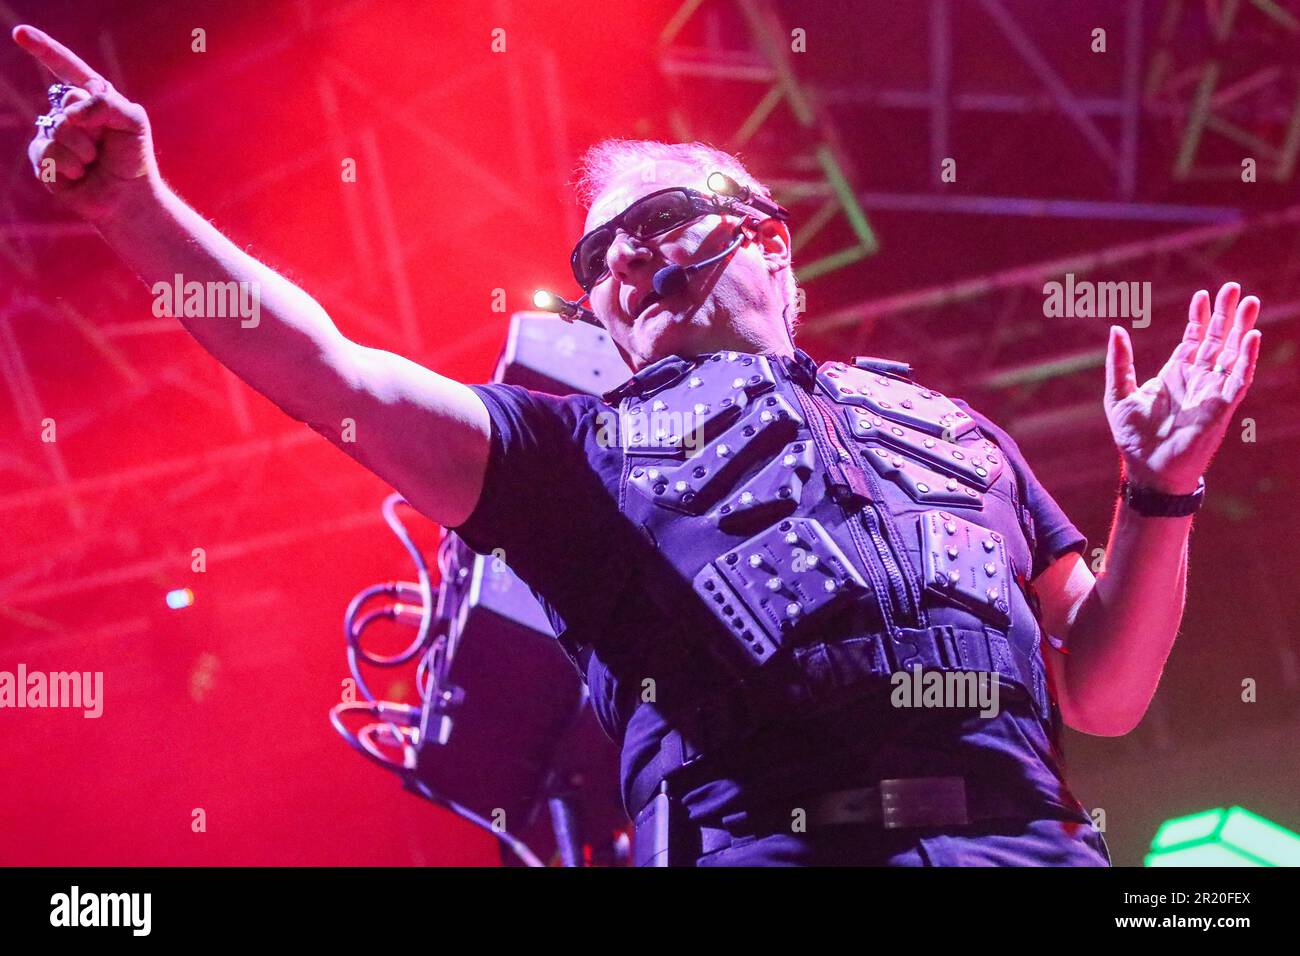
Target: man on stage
(760, 553)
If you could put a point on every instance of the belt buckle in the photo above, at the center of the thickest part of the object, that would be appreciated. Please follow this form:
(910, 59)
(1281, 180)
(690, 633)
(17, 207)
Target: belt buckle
(923, 802)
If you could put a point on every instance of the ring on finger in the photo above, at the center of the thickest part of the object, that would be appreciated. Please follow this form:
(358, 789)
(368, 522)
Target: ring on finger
(46, 122)
(56, 92)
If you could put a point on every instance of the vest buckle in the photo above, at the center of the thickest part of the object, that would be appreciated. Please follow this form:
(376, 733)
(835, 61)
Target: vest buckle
(870, 363)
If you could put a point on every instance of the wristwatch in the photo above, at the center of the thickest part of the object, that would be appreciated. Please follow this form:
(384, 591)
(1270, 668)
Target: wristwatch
(1156, 504)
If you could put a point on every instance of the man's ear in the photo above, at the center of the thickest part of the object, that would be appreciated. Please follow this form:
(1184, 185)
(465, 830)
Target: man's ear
(775, 239)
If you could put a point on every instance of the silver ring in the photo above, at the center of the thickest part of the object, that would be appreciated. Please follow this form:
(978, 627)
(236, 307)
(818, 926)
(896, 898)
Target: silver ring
(56, 93)
(45, 124)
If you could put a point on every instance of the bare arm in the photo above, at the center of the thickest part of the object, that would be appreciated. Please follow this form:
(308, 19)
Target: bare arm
(1120, 626)
(425, 434)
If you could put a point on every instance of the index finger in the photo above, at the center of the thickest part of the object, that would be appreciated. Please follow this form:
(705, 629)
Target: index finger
(55, 57)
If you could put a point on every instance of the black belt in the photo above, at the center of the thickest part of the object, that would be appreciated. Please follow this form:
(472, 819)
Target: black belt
(895, 804)
(731, 715)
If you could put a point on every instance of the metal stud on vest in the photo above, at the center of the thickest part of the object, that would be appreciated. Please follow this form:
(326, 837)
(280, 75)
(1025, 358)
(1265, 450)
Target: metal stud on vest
(814, 508)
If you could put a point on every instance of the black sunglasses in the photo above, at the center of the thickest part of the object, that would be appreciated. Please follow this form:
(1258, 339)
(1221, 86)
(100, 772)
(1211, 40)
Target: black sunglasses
(651, 215)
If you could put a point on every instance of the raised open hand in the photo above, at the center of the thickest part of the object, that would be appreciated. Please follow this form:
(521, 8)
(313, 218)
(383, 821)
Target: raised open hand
(98, 153)
(1168, 429)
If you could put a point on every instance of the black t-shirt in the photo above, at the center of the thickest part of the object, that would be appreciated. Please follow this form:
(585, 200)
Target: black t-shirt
(550, 501)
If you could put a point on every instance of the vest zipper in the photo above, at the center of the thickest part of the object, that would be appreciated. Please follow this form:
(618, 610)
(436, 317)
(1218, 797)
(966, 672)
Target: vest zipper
(835, 455)
(875, 522)
(902, 584)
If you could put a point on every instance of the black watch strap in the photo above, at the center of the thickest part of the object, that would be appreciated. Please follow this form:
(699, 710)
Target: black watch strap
(1156, 504)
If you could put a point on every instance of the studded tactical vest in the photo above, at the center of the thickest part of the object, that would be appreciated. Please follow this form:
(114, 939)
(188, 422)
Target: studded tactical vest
(840, 519)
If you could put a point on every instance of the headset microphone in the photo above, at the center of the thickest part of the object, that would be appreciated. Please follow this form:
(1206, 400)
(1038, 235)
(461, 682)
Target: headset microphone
(669, 280)
(672, 279)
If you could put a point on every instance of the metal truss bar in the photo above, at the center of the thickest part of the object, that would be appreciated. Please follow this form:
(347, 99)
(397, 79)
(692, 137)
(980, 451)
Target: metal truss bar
(1238, 135)
(1054, 421)
(107, 484)
(1222, 26)
(197, 85)
(834, 174)
(237, 397)
(814, 224)
(1201, 174)
(765, 29)
(1128, 136)
(21, 103)
(1283, 18)
(300, 162)
(517, 94)
(10, 462)
(774, 68)
(829, 263)
(190, 475)
(362, 248)
(100, 342)
(46, 230)
(1290, 146)
(743, 66)
(171, 563)
(1222, 19)
(1034, 58)
(1016, 205)
(678, 20)
(451, 153)
(1018, 103)
(1053, 208)
(1034, 372)
(940, 87)
(66, 550)
(28, 406)
(1266, 76)
(968, 289)
(757, 116)
(903, 98)
(558, 124)
(1196, 120)
(112, 63)
(328, 291)
(1162, 59)
(398, 273)
(1084, 475)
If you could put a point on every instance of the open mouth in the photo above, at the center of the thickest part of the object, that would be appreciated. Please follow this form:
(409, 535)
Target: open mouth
(648, 301)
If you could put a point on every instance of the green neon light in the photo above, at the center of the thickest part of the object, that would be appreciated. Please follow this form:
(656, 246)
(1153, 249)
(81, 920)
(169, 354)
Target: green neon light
(1224, 837)
(857, 218)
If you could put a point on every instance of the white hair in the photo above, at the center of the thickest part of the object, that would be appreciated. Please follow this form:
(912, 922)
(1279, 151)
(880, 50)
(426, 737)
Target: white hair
(610, 159)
